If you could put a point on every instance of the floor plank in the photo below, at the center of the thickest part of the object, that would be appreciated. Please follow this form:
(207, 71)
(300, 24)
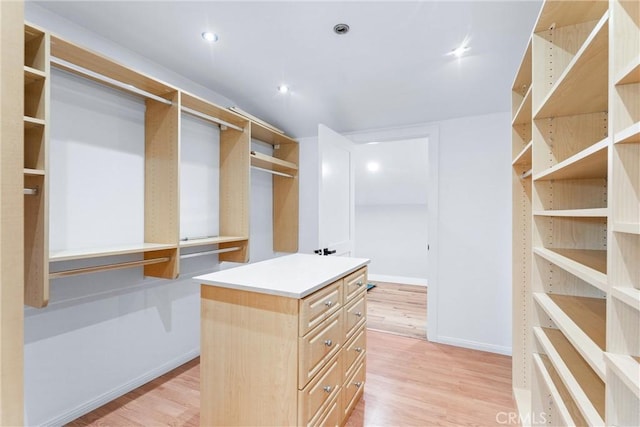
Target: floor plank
(410, 382)
(398, 309)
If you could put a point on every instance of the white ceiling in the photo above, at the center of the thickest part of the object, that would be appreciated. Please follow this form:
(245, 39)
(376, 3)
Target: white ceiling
(391, 69)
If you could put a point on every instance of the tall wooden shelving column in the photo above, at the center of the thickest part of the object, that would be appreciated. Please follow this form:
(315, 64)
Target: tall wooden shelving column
(623, 304)
(585, 219)
(11, 213)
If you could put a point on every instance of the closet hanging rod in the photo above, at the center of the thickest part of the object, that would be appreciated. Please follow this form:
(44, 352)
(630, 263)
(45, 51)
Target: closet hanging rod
(117, 266)
(272, 172)
(526, 174)
(68, 66)
(216, 251)
(210, 118)
(30, 191)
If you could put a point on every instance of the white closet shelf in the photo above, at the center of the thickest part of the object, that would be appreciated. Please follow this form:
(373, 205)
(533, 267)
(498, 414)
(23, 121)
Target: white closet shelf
(584, 385)
(214, 240)
(630, 73)
(524, 157)
(583, 321)
(588, 163)
(523, 115)
(575, 213)
(577, 91)
(107, 251)
(587, 264)
(559, 394)
(627, 369)
(628, 295)
(629, 135)
(626, 227)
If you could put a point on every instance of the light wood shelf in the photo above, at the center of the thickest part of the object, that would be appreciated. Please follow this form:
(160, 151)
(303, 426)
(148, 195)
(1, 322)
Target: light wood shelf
(584, 385)
(522, 82)
(630, 135)
(583, 322)
(523, 158)
(629, 74)
(627, 369)
(265, 161)
(626, 227)
(565, 13)
(575, 213)
(578, 90)
(88, 253)
(628, 295)
(211, 241)
(31, 122)
(33, 74)
(588, 163)
(34, 172)
(523, 114)
(264, 134)
(569, 411)
(586, 264)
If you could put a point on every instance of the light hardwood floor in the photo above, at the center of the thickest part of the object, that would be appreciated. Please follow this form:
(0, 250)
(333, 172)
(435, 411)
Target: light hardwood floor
(398, 309)
(410, 382)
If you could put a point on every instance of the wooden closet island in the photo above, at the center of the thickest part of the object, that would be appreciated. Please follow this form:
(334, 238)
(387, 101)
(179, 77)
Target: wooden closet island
(283, 341)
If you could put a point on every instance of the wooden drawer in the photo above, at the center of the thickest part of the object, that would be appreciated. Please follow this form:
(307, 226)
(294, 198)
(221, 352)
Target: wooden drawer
(355, 283)
(353, 388)
(318, 346)
(355, 315)
(318, 306)
(329, 417)
(323, 388)
(353, 351)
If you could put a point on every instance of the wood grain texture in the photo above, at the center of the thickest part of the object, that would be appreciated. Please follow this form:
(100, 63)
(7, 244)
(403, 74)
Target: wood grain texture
(11, 213)
(286, 201)
(410, 382)
(398, 309)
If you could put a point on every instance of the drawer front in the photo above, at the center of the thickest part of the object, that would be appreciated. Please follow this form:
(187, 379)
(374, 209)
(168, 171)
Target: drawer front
(355, 283)
(330, 417)
(355, 315)
(353, 388)
(318, 346)
(323, 388)
(353, 352)
(318, 306)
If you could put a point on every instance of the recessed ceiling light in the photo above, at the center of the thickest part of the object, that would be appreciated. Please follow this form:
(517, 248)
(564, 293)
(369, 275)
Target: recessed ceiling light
(210, 37)
(460, 50)
(341, 29)
(373, 166)
(283, 89)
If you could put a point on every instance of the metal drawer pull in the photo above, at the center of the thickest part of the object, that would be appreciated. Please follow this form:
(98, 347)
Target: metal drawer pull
(358, 314)
(358, 384)
(359, 283)
(328, 343)
(358, 349)
(328, 388)
(328, 303)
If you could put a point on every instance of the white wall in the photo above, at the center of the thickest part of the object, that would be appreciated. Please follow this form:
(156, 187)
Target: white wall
(106, 333)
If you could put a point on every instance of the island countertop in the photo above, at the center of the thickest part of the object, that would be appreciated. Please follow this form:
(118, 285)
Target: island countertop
(293, 276)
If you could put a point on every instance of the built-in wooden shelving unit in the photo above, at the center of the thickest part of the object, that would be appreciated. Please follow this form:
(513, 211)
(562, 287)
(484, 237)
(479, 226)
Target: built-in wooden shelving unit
(584, 220)
(159, 252)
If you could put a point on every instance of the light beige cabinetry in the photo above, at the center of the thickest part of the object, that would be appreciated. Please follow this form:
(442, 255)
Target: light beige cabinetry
(159, 251)
(277, 360)
(576, 249)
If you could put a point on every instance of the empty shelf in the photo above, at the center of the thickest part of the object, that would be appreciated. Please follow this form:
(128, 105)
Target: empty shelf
(628, 295)
(583, 321)
(575, 213)
(31, 122)
(579, 88)
(627, 369)
(586, 264)
(107, 251)
(565, 405)
(589, 163)
(523, 115)
(630, 74)
(264, 161)
(586, 388)
(31, 75)
(210, 241)
(628, 135)
(34, 172)
(524, 157)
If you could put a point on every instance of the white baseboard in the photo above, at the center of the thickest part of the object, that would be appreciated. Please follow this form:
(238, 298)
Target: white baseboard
(107, 397)
(474, 345)
(398, 279)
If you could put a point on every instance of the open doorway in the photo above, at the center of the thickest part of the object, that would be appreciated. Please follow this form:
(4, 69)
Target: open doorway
(391, 229)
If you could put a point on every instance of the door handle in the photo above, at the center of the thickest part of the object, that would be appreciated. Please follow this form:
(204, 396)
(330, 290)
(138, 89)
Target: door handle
(326, 252)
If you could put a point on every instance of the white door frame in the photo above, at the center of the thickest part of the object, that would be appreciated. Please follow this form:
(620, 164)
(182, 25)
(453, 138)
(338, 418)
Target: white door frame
(432, 133)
